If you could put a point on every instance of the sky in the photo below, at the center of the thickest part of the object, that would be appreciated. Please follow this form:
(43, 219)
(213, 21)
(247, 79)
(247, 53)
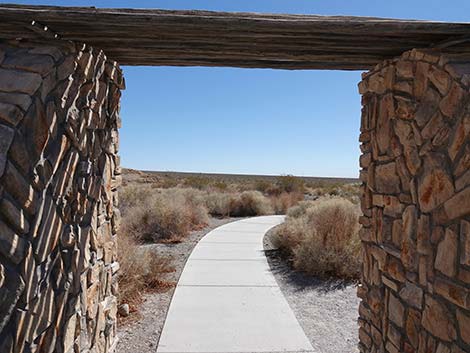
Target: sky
(252, 121)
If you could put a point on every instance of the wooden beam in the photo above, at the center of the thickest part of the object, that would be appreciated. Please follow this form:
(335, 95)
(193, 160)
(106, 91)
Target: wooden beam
(205, 38)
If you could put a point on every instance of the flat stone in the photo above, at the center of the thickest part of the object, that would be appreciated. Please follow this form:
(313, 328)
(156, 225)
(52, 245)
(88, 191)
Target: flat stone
(440, 80)
(387, 180)
(465, 242)
(6, 138)
(10, 113)
(383, 128)
(413, 325)
(453, 292)
(438, 320)
(463, 321)
(461, 132)
(14, 216)
(12, 246)
(396, 311)
(21, 100)
(452, 103)
(435, 185)
(405, 108)
(412, 294)
(40, 64)
(17, 81)
(446, 258)
(459, 205)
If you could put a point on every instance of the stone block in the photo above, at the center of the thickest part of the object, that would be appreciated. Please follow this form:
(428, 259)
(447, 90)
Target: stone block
(438, 320)
(19, 81)
(386, 179)
(412, 295)
(463, 321)
(396, 311)
(446, 258)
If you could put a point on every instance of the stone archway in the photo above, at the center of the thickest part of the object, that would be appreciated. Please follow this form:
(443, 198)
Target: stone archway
(59, 165)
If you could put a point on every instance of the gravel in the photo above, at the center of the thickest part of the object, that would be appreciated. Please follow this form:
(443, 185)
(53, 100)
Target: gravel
(327, 310)
(143, 333)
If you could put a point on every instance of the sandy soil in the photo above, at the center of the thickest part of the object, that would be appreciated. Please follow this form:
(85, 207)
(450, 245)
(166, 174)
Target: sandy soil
(327, 310)
(142, 334)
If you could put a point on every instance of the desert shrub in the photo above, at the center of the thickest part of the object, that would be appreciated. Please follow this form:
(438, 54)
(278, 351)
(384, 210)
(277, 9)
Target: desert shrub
(134, 195)
(281, 203)
(290, 183)
(322, 237)
(197, 182)
(139, 271)
(252, 203)
(220, 185)
(245, 204)
(166, 214)
(262, 186)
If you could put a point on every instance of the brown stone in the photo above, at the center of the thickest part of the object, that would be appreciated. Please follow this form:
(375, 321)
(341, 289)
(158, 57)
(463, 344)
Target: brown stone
(463, 320)
(423, 235)
(41, 64)
(6, 138)
(460, 133)
(435, 185)
(440, 80)
(465, 242)
(392, 206)
(386, 112)
(396, 311)
(386, 179)
(421, 79)
(405, 108)
(428, 107)
(452, 103)
(412, 295)
(409, 255)
(413, 323)
(446, 257)
(438, 320)
(459, 205)
(17, 81)
(453, 292)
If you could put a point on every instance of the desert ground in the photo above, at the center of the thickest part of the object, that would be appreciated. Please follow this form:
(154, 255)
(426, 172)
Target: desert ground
(165, 215)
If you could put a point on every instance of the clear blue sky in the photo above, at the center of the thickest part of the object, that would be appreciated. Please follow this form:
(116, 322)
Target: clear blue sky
(249, 120)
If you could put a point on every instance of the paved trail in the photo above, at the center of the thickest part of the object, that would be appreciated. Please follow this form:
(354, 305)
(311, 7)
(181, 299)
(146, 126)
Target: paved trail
(227, 300)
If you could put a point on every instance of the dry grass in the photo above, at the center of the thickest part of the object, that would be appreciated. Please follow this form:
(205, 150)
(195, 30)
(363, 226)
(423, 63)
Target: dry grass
(245, 204)
(140, 271)
(322, 237)
(284, 201)
(162, 214)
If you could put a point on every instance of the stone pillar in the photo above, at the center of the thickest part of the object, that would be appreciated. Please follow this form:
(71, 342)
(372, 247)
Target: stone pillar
(415, 142)
(59, 169)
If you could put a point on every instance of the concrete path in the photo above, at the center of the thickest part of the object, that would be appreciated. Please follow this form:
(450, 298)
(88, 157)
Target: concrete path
(227, 300)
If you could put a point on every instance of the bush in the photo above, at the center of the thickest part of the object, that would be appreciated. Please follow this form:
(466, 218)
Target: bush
(197, 182)
(290, 183)
(139, 271)
(281, 203)
(167, 214)
(322, 237)
(245, 204)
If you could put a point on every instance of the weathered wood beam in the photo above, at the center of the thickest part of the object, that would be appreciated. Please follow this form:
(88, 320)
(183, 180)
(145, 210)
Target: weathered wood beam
(205, 38)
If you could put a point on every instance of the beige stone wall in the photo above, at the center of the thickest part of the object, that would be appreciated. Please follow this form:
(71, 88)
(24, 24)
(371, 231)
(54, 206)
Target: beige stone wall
(415, 164)
(59, 115)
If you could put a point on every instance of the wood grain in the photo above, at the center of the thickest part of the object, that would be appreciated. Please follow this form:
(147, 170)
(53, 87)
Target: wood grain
(205, 38)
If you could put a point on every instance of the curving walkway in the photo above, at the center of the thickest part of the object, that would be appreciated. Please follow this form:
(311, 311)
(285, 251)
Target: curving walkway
(227, 300)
